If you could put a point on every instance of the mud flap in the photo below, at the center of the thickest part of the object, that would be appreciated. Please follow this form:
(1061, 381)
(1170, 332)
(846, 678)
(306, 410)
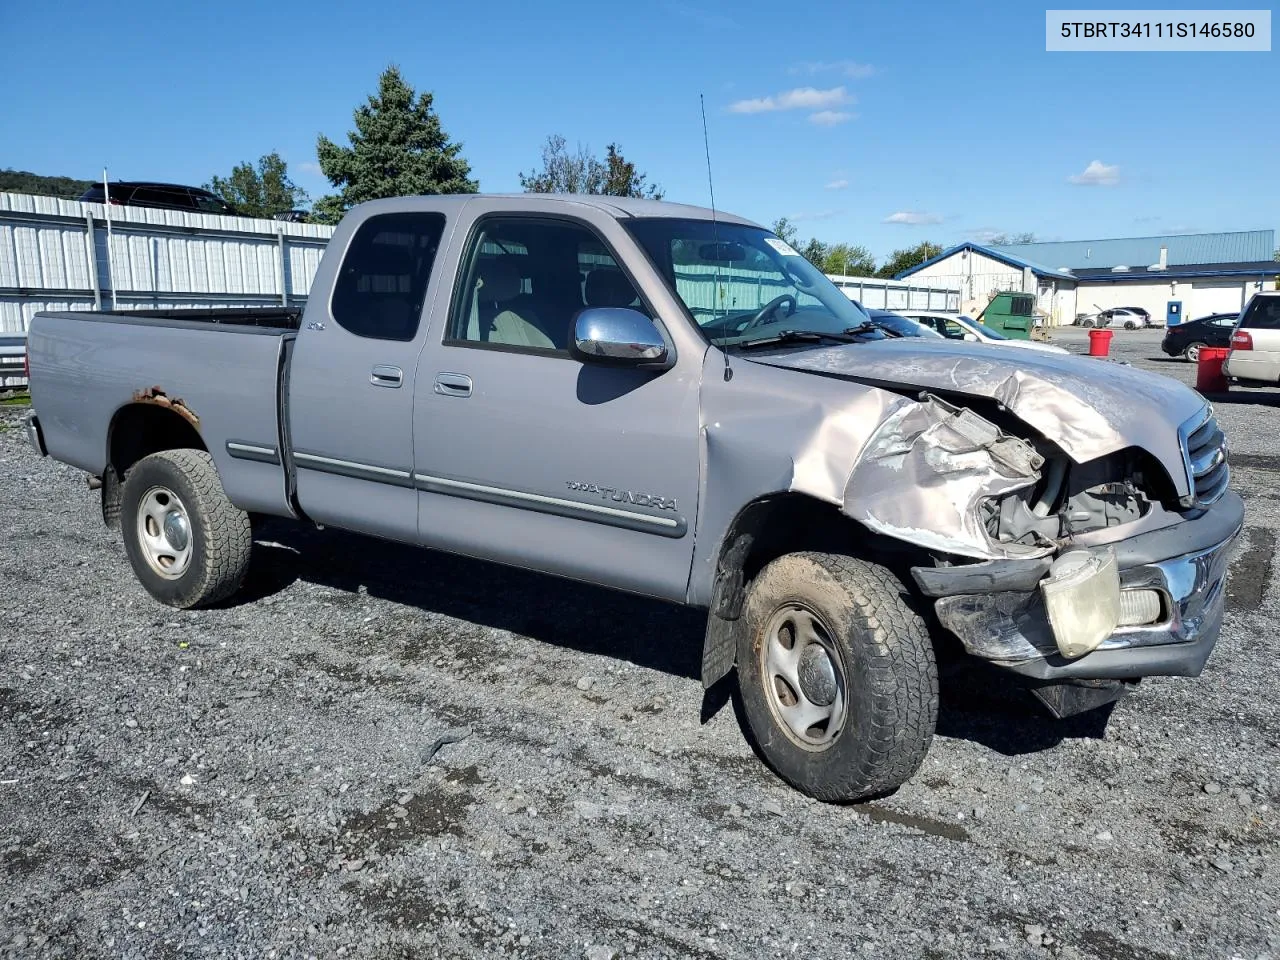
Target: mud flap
(719, 650)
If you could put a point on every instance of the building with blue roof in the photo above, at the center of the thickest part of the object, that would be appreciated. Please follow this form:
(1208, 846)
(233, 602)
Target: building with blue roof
(1172, 277)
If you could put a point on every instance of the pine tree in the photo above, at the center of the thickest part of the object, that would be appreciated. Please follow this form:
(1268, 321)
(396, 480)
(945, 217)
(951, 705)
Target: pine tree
(397, 149)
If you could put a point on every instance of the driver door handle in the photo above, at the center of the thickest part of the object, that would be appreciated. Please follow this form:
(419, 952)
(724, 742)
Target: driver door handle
(385, 375)
(453, 385)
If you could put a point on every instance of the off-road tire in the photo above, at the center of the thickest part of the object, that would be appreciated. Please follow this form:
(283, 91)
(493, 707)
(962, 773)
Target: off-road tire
(220, 535)
(890, 676)
(1192, 350)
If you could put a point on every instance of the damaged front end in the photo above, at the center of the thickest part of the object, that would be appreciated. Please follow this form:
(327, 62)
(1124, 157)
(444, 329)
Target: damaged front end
(1049, 567)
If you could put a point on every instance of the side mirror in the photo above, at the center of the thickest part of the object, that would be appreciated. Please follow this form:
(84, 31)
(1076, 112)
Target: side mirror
(618, 336)
(971, 336)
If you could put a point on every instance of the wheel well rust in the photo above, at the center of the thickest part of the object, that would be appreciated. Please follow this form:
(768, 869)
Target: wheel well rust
(139, 429)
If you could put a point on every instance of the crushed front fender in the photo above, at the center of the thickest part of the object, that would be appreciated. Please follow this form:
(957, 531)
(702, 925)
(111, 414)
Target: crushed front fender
(925, 473)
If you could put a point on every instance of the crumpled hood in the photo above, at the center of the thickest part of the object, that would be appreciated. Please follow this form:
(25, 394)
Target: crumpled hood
(1089, 407)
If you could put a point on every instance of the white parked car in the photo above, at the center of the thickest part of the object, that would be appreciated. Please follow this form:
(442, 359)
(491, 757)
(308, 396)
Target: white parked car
(958, 326)
(1255, 344)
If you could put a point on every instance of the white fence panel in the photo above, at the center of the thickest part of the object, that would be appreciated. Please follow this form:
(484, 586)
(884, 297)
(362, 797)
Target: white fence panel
(54, 256)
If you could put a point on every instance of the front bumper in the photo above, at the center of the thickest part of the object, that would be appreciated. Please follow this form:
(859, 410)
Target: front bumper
(1185, 563)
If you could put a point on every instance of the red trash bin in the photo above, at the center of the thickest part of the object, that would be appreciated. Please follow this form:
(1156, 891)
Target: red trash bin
(1209, 375)
(1099, 343)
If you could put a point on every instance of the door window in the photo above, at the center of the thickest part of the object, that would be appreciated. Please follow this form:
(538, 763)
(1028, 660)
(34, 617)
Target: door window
(382, 283)
(524, 280)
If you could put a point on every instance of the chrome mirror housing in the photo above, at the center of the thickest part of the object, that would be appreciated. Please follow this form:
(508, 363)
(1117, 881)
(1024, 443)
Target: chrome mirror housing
(619, 336)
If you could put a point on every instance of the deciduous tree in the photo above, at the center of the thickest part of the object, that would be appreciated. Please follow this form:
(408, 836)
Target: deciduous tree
(259, 191)
(901, 260)
(579, 171)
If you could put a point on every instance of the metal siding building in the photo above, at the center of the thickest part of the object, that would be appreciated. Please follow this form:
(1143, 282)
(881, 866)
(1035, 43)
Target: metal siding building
(980, 272)
(1091, 275)
(1244, 246)
(54, 256)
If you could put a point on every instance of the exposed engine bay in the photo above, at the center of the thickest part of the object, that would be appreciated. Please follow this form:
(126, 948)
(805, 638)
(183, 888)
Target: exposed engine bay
(952, 480)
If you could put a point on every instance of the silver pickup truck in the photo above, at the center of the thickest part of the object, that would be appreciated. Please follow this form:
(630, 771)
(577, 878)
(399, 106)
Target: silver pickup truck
(654, 398)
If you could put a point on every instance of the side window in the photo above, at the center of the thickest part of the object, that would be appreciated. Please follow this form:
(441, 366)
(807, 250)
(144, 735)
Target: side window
(208, 203)
(382, 283)
(953, 330)
(524, 280)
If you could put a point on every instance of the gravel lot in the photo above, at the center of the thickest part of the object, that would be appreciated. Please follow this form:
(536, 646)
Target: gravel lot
(253, 781)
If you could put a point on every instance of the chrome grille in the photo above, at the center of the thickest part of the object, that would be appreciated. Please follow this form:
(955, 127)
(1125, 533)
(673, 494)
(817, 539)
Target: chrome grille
(1204, 448)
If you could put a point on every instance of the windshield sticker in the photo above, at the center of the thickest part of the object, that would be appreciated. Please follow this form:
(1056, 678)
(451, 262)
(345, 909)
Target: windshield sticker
(781, 246)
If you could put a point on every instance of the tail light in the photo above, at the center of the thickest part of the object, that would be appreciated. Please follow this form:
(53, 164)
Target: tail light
(1241, 340)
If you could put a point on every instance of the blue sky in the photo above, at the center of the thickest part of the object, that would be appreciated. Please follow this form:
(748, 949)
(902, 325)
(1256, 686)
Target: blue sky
(874, 123)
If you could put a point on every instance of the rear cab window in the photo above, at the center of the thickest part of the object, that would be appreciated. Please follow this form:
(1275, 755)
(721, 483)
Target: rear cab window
(382, 283)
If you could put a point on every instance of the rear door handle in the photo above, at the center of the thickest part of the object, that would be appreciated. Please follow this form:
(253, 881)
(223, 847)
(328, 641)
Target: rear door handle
(385, 375)
(453, 385)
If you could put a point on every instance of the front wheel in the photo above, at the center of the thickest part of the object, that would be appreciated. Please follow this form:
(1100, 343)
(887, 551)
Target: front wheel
(1130, 325)
(836, 676)
(188, 544)
(1192, 351)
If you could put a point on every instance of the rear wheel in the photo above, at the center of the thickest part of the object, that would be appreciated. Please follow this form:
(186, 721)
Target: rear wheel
(188, 544)
(1130, 325)
(1192, 351)
(837, 680)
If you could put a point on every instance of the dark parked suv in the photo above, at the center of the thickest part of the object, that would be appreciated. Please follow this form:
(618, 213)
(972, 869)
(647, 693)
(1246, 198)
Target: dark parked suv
(167, 196)
(1186, 339)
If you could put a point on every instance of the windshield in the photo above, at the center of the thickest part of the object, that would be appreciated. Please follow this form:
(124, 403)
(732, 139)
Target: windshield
(993, 334)
(903, 326)
(741, 284)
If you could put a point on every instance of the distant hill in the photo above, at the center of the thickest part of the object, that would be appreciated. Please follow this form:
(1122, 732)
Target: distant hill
(21, 181)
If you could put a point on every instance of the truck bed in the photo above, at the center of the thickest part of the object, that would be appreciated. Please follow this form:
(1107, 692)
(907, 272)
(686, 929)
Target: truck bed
(90, 368)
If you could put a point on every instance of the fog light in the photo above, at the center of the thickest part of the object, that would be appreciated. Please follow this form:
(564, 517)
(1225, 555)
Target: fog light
(1082, 597)
(1138, 607)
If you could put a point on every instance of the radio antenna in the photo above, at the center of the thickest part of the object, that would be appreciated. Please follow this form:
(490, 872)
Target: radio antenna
(715, 226)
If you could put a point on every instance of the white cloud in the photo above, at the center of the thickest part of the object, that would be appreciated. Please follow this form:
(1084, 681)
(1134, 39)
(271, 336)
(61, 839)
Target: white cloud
(912, 218)
(837, 184)
(311, 168)
(849, 68)
(816, 215)
(829, 118)
(984, 235)
(1096, 174)
(801, 98)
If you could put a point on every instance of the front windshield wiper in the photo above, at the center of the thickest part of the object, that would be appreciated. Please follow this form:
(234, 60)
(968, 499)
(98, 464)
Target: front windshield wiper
(849, 335)
(868, 325)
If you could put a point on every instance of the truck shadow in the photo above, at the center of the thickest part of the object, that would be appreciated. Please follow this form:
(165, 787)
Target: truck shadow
(648, 633)
(978, 703)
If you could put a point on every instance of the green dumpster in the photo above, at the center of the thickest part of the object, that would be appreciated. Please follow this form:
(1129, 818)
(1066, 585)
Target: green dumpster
(1013, 314)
